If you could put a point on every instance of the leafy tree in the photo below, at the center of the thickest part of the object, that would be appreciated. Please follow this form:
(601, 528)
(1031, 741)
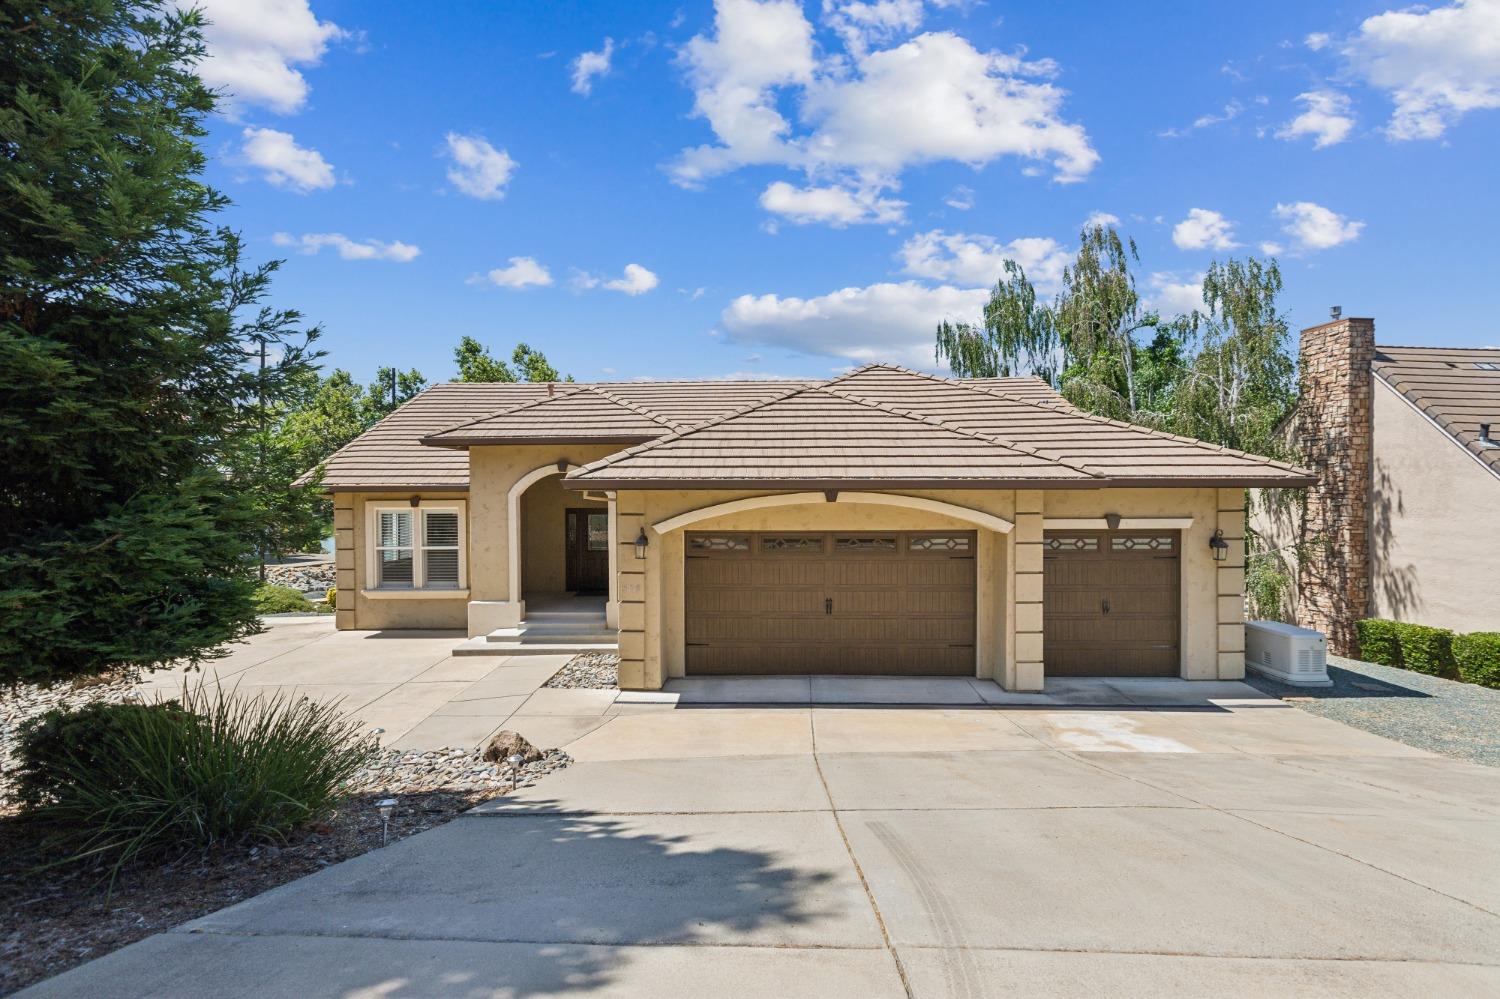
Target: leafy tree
(475, 364)
(1017, 335)
(390, 390)
(126, 320)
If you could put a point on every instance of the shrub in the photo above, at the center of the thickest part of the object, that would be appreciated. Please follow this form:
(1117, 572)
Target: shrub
(1478, 657)
(212, 769)
(1427, 650)
(273, 599)
(1378, 642)
(330, 601)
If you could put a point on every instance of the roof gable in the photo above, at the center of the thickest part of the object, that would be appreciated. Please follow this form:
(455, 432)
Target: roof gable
(578, 413)
(1450, 387)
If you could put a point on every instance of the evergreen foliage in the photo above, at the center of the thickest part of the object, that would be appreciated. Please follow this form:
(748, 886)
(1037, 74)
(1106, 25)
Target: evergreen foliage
(127, 408)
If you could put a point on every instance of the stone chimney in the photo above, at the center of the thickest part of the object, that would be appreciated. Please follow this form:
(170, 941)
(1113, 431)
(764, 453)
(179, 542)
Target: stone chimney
(1334, 432)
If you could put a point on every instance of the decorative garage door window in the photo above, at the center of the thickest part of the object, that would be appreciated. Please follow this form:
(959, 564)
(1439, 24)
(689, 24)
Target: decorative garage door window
(1164, 543)
(792, 544)
(864, 544)
(719, 542)
(941, 544)
(1065, 545)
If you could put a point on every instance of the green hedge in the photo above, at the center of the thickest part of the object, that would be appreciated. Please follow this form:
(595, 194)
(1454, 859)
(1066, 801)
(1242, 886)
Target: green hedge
(1478, 657)
(273, 599)
(1427, 650)
(1378, 642)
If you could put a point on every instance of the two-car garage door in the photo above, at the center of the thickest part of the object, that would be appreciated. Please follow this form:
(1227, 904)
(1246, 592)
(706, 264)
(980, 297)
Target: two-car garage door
(874, 603)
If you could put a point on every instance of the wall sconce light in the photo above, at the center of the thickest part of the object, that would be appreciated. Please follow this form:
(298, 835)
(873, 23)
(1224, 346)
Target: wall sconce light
(640, 544)
(1219, 545)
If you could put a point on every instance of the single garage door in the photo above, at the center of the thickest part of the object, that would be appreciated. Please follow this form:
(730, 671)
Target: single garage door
(876, 603)
(1111, 603)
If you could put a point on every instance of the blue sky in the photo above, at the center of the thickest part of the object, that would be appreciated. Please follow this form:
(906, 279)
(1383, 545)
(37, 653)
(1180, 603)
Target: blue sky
(692, 190)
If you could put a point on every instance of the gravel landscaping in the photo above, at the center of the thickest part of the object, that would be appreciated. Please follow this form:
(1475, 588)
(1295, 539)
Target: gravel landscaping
(1461, 720)
(589, 671)
(56, 917)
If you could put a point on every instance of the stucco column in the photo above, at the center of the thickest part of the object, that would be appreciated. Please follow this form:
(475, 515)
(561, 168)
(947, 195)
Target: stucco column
(1027, 568)
(631, 516)
(612, 605)
(1231, 588)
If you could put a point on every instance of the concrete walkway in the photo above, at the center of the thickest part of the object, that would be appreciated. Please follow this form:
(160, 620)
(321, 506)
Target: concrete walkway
(1242, 848)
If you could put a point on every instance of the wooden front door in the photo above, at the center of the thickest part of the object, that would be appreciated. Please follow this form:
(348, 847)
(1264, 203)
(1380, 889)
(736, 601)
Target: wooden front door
(858, 602)
(587, 542)
(1111, 603)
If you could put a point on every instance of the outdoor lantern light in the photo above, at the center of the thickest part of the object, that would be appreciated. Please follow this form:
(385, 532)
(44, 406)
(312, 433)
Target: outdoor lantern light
(1219, 545)
(640, 544)
(515, 762)
(386, 806)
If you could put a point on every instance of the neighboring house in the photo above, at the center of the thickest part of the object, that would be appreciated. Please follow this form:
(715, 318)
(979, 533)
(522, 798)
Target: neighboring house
(1400, 523)
(882, 522)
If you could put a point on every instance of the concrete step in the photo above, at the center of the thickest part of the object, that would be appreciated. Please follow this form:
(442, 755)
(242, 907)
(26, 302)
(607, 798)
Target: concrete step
(595, 632)
(483, 646)
(565, 616)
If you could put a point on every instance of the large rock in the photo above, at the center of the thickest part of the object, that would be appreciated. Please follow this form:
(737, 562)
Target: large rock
(505, 744)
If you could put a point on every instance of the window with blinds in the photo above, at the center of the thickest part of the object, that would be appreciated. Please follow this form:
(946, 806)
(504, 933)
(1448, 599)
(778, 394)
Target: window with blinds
(440, 548)
(393, 549)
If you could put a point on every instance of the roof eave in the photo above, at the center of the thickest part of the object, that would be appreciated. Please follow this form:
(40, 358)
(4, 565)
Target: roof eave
(1262, 482)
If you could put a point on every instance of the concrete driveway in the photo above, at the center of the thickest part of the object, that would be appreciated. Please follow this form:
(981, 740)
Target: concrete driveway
(1239, 847)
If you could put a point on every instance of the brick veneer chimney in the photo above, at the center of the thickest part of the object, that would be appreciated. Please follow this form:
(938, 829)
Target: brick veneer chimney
(1334, 431)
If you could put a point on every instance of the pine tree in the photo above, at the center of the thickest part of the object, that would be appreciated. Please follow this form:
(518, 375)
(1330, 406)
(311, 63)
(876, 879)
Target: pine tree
(126, 325)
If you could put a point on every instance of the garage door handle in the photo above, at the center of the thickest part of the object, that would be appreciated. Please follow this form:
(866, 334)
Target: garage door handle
(1106, 605)
(828, 605)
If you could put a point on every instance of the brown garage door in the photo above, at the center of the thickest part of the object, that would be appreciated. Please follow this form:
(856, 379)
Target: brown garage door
(878, 603)
(1110, 604)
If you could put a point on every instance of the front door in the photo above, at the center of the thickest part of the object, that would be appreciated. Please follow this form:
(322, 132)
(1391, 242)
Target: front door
(588, 550)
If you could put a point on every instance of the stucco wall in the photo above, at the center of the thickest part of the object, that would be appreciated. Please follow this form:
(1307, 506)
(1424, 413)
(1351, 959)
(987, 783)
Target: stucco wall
(1009, 570)
(360, 611)
(543, 549)
(1433, 556)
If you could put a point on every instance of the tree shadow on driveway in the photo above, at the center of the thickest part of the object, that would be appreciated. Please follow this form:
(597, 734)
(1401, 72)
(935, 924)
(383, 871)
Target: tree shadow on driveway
(562, 898)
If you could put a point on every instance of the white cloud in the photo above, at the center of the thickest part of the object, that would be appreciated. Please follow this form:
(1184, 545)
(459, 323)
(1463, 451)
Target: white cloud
(1203, 229)
(283, 163)
(589, 65)
(1437, 64)
(348, 249)
(866, 114)
(1315, 227)
(479, 169)
(960, 198)
(1231, 111)
(1326, 118)
(1271, 248)
(523, 272)
(836, 206)
(254, 46)
(881, 322)
(976, 260)
(1172, 296)
(636, 280)
(861, 24)
(1317, 41)
(1104, 219)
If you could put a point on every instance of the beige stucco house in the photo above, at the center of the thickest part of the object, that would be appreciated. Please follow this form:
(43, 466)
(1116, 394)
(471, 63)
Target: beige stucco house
(883, 522)
(1397, 526)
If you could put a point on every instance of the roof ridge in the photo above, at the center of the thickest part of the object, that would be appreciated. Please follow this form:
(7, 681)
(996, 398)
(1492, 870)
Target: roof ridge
(676, 435)
(638, 409)
(964, 431)
(507, 410)
(1096, 418)
(1414, 346)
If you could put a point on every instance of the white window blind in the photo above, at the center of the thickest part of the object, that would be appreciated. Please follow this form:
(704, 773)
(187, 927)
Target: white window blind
(440, 548)
(393, 548)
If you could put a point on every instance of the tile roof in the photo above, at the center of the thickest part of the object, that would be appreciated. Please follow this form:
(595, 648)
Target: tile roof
(1449, 386)
(883, 425)
(877, 425)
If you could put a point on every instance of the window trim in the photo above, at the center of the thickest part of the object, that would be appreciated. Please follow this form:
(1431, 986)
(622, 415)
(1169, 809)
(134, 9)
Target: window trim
(373, 509)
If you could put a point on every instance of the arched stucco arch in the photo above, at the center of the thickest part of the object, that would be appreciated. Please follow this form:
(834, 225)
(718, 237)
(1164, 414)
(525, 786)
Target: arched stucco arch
(513, 519)
(970, 515)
